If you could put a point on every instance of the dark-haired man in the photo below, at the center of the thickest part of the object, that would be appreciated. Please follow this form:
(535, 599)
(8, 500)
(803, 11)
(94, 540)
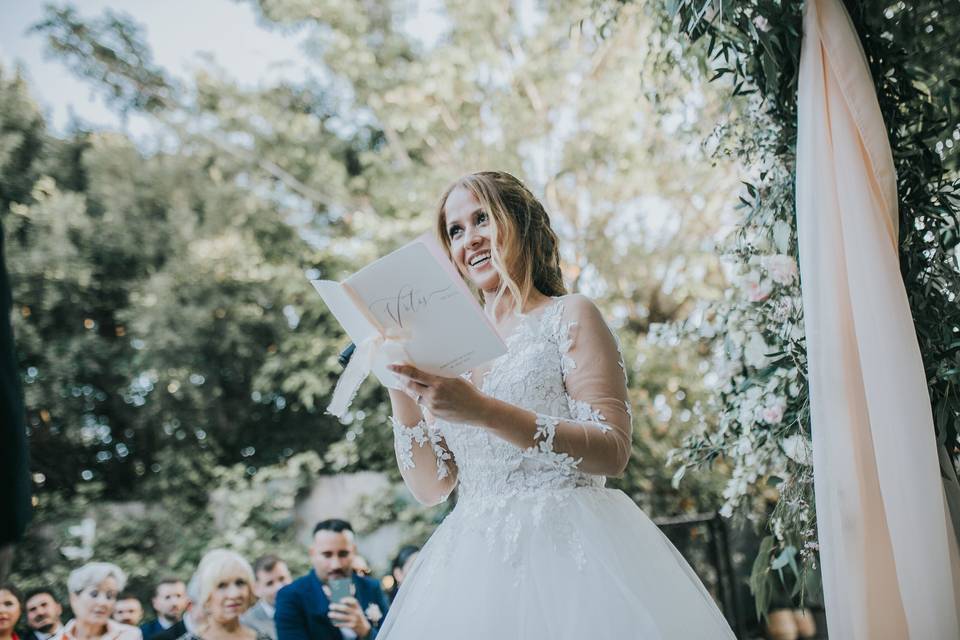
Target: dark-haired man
(304, 610)
(169, 602)
(43, 614)
(270, 575)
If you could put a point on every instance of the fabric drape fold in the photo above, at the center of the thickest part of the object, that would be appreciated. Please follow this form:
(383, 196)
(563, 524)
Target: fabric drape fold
(887, 545)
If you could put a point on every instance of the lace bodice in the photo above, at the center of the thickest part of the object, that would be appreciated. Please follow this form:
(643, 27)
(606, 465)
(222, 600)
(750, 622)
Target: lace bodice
(540, 373)
(530, 375)
(564, 370)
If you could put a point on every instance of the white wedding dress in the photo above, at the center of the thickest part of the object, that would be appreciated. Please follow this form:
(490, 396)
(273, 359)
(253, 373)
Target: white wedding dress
(536, 547)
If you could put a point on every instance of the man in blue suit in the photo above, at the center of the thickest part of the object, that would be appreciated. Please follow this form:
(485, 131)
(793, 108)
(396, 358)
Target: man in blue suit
(304, 610)
(169, 602)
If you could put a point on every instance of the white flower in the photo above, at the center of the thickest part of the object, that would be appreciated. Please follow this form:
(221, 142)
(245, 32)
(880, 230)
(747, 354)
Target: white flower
(737, 337)
(745, 415)
(373, 613)
(756, 352)
(798, 449)
(781, 235)
(782, 268)
(777, 528)
(761, 23)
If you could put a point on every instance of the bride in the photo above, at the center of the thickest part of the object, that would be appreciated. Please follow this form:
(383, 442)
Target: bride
(536, 547)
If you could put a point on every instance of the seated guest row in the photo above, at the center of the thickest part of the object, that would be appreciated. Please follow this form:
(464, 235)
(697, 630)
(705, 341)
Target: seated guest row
(226, 599)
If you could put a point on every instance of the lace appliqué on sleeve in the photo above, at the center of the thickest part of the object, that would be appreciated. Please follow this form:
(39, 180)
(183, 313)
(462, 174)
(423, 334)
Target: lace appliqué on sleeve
(404, 438)
(565, 343)
(543, 444)
(584, 412)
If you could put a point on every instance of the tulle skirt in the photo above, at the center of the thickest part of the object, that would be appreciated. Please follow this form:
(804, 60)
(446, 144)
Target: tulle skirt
(582, 563)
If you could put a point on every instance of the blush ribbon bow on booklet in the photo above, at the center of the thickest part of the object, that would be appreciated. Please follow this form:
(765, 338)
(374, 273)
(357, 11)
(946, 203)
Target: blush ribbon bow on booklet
(409, 306)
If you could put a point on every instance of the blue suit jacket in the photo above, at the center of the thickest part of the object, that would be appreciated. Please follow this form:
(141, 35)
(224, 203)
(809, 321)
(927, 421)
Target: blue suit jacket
(302, 608)
(150, 629)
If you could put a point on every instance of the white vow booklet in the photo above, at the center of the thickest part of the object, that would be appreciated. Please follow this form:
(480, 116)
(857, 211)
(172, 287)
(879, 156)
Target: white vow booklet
(410, 305)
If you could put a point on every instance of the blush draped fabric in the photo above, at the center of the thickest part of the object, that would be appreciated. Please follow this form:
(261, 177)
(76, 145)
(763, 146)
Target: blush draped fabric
(888, 549)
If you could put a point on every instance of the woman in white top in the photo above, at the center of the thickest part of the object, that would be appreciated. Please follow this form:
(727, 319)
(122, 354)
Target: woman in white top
(536, 547)
(93, 594)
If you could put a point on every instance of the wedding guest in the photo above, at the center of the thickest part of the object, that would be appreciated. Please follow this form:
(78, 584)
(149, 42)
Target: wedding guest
(224, 582)
(271, 575)
(10, 609)
(304, 610)
(128, 609)
(93, 594)
(192, 617)
(401, 567)
(169, 601)
(43, 614)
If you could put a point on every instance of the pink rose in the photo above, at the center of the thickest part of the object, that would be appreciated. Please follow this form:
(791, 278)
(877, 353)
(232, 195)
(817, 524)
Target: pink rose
(772, 414)
(782, 269)
(758, 290)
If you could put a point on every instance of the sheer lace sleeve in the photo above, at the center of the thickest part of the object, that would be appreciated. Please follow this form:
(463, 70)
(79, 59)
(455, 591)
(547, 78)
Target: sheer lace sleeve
(425, 462)
(597, 439)
(420, 436)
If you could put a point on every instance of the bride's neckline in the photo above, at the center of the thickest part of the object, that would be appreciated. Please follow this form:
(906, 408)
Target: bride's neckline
(536, 313)
(532, 314)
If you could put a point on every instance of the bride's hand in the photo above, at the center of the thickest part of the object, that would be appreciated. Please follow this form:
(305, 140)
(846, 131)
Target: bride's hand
(450, 399)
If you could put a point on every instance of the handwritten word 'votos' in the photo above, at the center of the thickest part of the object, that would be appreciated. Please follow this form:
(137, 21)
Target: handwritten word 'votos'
(406, 301)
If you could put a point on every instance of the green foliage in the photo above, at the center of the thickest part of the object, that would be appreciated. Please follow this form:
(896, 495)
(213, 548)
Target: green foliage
(910, 51)
(21, 139)
(776, 579)
(148, 307)
(111, 50)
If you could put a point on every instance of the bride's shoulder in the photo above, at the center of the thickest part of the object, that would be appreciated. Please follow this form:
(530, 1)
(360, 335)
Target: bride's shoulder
(577, 306)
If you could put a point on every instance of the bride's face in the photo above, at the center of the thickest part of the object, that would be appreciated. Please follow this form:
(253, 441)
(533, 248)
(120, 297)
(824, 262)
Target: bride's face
(469, 229)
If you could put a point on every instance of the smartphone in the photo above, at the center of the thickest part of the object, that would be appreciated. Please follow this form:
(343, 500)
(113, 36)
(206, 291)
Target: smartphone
(340, 588)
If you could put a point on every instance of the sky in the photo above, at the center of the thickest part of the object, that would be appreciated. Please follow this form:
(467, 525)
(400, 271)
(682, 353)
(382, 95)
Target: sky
(179, 32)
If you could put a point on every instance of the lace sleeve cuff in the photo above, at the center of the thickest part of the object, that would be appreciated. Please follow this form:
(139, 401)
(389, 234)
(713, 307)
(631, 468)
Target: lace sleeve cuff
(421, 434)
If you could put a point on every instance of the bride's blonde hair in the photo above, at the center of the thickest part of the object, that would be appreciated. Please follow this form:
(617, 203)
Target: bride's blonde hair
(524, 248)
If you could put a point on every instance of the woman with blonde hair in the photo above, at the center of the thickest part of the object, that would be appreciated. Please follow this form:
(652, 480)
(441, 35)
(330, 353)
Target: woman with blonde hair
(536, 546)
(223, 588)
(93, 594)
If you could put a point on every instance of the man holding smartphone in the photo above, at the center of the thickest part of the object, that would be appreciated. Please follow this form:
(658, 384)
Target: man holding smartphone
(331, 602)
